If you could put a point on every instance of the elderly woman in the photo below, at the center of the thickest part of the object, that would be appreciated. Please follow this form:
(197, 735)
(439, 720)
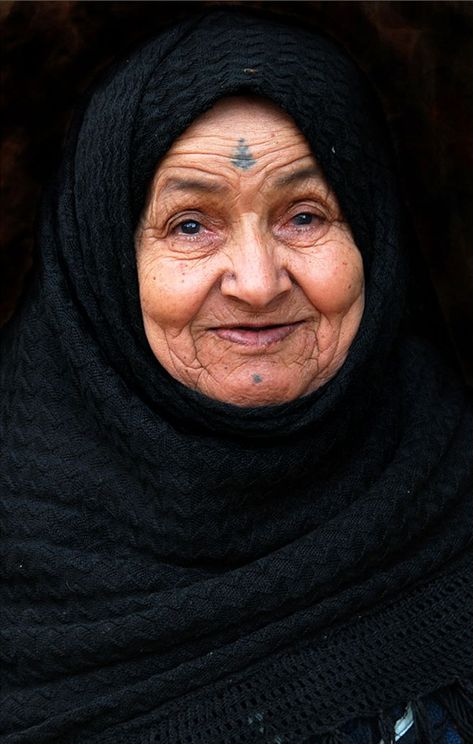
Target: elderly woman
(237, 494)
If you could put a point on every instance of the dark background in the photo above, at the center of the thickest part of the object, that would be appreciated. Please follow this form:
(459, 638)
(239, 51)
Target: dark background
(419, 56)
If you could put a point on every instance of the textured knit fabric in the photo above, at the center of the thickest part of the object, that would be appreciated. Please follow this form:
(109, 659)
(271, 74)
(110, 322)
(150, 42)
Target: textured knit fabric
(180, 570)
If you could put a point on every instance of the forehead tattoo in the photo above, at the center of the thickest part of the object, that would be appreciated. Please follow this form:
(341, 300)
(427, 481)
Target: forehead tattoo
(242, 157)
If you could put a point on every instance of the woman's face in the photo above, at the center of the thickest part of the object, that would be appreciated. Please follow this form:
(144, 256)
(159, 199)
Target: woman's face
(251, 285)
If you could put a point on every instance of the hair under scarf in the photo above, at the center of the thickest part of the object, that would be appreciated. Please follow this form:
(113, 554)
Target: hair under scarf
(182, 570)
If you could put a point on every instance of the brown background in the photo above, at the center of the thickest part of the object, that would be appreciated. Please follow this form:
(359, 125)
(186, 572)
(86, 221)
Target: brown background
(419, 55)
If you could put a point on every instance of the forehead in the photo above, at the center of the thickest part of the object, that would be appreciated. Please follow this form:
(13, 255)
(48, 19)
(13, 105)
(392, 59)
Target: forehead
(242, 136)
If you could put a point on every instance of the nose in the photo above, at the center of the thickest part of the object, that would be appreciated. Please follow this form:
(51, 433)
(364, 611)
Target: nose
(257, 274)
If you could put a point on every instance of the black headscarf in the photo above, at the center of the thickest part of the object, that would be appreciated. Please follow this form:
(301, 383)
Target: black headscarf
(182, 570)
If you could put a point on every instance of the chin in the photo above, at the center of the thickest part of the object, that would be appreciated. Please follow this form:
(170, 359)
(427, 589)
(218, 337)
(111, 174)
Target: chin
(256, 394)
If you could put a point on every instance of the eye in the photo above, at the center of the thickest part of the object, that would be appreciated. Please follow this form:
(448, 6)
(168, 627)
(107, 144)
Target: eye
(304, 218)
(189, 227)
(303, 227)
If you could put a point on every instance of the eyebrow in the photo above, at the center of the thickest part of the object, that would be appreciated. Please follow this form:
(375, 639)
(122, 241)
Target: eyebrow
(303, 174)
(193, 184)
(203, 186)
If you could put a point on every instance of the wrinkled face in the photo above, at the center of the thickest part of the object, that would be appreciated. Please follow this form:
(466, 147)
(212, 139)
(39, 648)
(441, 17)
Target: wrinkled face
(251, 285)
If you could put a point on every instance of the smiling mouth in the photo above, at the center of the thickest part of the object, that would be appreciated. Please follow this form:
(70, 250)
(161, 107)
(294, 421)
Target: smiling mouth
(256, 336)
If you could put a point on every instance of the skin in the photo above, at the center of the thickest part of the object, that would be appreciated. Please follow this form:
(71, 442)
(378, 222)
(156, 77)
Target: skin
(251, 285)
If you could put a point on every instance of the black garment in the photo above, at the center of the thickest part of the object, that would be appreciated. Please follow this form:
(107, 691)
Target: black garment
(174, 563)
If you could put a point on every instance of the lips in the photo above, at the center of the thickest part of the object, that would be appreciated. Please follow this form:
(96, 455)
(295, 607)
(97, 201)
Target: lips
(257, 336)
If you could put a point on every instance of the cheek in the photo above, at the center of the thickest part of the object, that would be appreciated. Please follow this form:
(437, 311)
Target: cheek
(171, 291)
(333, 279)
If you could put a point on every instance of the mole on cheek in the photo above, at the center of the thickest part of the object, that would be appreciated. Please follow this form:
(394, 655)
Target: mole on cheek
(257, 378)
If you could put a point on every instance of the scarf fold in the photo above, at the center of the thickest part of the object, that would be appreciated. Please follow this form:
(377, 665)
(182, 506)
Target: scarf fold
(182, 570)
